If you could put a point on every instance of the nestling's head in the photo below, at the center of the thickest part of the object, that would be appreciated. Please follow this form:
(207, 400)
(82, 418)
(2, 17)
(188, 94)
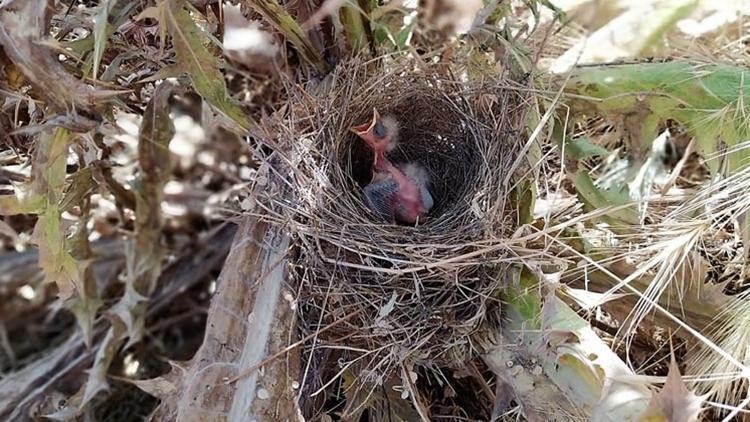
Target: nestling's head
(380, 134)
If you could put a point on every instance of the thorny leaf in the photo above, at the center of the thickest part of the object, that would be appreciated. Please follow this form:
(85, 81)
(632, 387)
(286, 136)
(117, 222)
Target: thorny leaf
(128, 311)
(674, 402)
(81, 186)
(57, 257)
(156, 132)
(97, 379)
(145, 251)
(118, 14)
(85, 306)
(58, 264)
(193, 57)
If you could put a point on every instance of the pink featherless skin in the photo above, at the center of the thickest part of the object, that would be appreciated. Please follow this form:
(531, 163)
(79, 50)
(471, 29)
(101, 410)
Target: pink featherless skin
(396, 193)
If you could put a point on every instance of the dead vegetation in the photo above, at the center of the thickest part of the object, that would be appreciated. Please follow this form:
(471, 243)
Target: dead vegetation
(407, 296)
(185, 237)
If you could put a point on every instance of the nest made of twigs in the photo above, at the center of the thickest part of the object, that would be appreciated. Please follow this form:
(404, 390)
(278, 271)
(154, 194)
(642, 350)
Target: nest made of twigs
(422, 290)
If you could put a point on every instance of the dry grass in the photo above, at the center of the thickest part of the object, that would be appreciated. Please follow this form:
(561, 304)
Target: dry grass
(394, 319)
(419, 293)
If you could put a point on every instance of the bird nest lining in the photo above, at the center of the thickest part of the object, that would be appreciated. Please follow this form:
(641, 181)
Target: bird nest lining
(429, 136)
(424, 288)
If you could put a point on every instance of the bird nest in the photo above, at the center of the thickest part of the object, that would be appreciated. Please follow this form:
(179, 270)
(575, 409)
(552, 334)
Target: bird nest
(406, 292)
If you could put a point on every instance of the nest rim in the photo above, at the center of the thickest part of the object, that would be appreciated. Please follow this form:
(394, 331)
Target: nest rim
(441, 281)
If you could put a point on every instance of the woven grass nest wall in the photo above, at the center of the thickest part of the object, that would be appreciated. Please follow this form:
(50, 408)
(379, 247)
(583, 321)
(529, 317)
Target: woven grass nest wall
(405, 292)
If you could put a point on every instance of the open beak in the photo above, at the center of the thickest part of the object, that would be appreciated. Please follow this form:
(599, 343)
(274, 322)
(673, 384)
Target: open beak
(365, 130)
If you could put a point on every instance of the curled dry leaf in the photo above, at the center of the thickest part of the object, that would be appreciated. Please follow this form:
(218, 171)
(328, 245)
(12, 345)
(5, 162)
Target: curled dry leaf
(164, 386)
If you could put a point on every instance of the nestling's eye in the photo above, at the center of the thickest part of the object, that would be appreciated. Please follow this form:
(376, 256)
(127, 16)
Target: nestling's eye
(379, 130)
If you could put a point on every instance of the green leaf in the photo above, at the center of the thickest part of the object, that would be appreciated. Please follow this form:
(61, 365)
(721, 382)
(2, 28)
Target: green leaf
(596, 198)
(523, 198)
(581, 148)
(202, 67)
(48, 170)
(354, 27)
(526, 305)
(56, 263)
(637, 31)
(401, 40)
(102, 31)
(572, 367)
(710, 100)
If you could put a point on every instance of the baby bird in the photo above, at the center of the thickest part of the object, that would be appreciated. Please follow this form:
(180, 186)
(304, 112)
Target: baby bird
(399, 193)
(380, 135)
(396, 193)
